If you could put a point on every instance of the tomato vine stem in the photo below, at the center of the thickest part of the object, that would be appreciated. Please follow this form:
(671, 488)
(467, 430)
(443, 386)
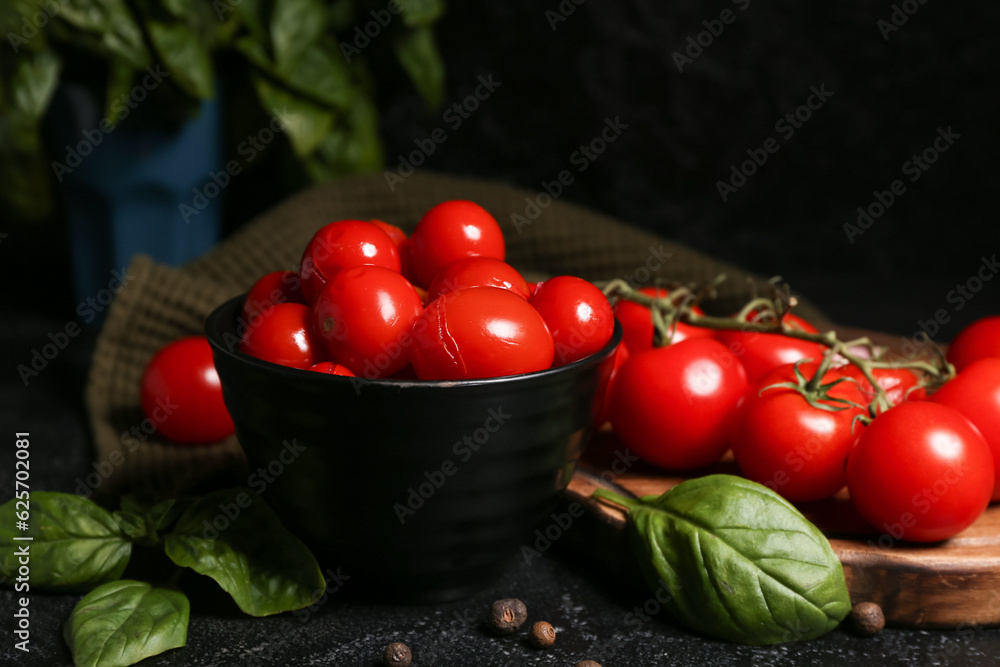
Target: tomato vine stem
(766, 316)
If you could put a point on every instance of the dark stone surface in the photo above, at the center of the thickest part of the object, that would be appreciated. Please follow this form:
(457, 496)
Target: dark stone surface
(595, 618)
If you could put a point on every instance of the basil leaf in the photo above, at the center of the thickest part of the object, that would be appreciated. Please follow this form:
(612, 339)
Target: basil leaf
(182, 52)
(156, 516)
(421, 13)
(265, 568)
(418, 54)
(296, 25)
(77, 544)
(132, 525)
(351, 148)
(305, 122)
(741, 562)
(123, 622)
(120, 75)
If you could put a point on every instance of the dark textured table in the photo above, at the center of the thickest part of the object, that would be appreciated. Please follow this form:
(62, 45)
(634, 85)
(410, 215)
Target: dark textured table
(594, 616)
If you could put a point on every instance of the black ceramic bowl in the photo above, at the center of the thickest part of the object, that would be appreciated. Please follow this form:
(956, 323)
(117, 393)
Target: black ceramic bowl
(418, 491)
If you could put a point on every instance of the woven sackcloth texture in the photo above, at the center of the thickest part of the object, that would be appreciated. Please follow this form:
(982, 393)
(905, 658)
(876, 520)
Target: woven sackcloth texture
(160, 304)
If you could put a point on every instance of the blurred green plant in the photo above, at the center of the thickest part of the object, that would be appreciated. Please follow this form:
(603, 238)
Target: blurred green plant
(304, 58)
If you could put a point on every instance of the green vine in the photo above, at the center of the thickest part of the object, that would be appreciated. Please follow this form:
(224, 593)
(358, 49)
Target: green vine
(766, 315)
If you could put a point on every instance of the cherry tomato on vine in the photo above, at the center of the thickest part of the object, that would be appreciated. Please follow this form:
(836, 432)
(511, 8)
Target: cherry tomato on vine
(637, 323)
(181, 394)
(921, 472)
(672, 405)
(450, 231)
(782, 441)
(578, 315)
(364, 315)
(979, 340)
(332, 369)
(760, 352)
(478, 272)
(271, 289)
(480, 332)
(975, 392)
(341, 245)
(284, 336)
(900, 384)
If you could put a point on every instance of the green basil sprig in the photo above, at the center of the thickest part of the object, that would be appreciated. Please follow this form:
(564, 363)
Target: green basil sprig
(741, 563)
(78, 546)
(123, 622)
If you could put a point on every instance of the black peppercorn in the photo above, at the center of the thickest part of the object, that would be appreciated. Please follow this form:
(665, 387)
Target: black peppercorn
(507, 615)
(397, 654)
(542, 635)
(867, 619)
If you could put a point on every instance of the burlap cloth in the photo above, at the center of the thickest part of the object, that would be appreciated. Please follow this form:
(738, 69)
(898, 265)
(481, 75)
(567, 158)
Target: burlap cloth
(160, 303)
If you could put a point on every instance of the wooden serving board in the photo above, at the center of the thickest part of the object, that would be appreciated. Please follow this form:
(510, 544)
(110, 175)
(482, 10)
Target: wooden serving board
(943, 585)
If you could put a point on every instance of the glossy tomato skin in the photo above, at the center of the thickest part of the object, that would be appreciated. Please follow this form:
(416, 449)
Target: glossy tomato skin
(781, 441)
(979, 340)
(900, 384)
(760, 352)
(402, 243)
(331, 369)
(673, 405)
(269, 290)
(637, 323)
(604, 414)
(364, 316)
(478, 272)
(975, 392)
(578, 315)
(341, 245)
(284, 336)
(181, 394)
(480, 332)
(450, 231)
(921, 472)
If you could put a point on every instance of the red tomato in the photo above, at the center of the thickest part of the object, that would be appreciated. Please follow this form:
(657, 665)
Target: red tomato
(672, 405)
(604, 415)
(402, 243)
(897, 383)
(578, 315)
(979, 340)
(975, 392)
(181, 394)
(637, 323)
(284, 337)
(759, 352)
(920, 472)
(480, 332)
(273, 288)
(477, 272)
(450, 231)
(332, 369)
(341, 245)
(781, 441)
(364, 316)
